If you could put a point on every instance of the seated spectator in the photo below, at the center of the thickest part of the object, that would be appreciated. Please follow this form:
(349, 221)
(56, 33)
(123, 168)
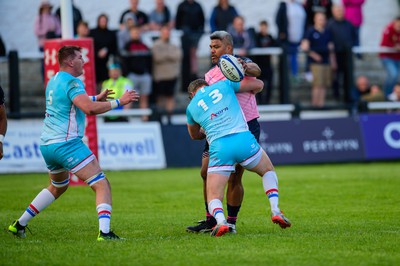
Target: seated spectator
(141, 18)
(362, 87)
(367, 93)
(243, 39)
(375, 94)
(160, 16)
(119, 85)
(166, 63)
(395, 95)
(264, 40)
(137, 61)
(222, 16)
(82, 30)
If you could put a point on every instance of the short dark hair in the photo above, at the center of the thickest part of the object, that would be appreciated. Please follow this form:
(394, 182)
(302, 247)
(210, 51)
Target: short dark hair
(195, 84)
(66, 52)
(223, 36)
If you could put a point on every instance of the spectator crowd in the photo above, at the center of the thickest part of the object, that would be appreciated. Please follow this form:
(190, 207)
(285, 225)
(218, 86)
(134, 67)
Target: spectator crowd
(325, 30)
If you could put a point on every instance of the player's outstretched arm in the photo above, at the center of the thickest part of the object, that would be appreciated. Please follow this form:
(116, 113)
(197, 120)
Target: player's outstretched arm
(83, 102)
(251, 84)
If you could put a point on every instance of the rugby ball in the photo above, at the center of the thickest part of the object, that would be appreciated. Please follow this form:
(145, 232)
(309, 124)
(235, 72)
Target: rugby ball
(231, 68)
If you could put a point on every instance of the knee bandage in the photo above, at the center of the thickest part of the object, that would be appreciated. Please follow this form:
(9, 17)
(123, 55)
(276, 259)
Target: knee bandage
(96, 178)
(60, 184)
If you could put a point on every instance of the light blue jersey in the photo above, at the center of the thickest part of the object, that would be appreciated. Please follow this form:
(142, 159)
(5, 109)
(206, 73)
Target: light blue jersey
(216, 109)
(64, 121)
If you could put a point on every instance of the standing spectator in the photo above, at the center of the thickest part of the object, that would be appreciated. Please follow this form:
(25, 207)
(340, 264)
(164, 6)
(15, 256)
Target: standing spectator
(138, 66)
(119, 85)
(160, 16)
(123, 35)
(391, 61)
(344, 38)
(47, 26)
(3, 121)
(319, 46)
(190, 20)
(166, 61)
(141, 20)
(222, 16)
(291, 21)
(3, 50)
(105, 44)
(76, 16)
(353, 13)
(82, 30)
(314, 6)
(243, 39)
(264, 40)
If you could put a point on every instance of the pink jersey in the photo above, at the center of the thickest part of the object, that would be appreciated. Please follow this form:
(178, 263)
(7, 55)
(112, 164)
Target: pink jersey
(247, 100)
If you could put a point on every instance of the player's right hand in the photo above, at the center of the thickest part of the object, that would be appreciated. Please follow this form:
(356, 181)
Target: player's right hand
(128, 97)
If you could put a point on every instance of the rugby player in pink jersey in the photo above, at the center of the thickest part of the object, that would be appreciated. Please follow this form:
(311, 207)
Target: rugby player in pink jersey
(221, 43)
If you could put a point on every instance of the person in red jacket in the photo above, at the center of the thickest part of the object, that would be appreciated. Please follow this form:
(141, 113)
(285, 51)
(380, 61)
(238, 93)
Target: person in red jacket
(391, 60)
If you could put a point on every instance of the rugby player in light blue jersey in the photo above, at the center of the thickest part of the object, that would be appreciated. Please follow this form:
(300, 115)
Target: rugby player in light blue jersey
(61, 141)
(214, 113)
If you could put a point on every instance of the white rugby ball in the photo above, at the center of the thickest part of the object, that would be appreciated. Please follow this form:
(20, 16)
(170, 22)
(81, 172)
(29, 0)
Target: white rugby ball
(231, 68)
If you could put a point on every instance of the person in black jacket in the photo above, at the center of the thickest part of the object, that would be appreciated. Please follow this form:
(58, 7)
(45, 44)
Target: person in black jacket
(76, 16)
(190, 20)
(264, 40)
(105, 44)
(344, 38)
(2, 47)
(3, 121)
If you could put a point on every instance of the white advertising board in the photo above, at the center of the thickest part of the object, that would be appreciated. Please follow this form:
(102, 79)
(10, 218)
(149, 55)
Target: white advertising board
(122, 146)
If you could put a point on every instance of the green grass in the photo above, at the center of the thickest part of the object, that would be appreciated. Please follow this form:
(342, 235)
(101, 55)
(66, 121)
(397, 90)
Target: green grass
(342, 214)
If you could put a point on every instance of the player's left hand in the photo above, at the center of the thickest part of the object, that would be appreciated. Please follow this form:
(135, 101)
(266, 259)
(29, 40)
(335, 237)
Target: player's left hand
(244, 64)
(105, 95)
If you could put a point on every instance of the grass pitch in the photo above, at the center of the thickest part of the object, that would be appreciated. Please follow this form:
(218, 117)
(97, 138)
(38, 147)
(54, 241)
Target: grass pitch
(342, 214)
